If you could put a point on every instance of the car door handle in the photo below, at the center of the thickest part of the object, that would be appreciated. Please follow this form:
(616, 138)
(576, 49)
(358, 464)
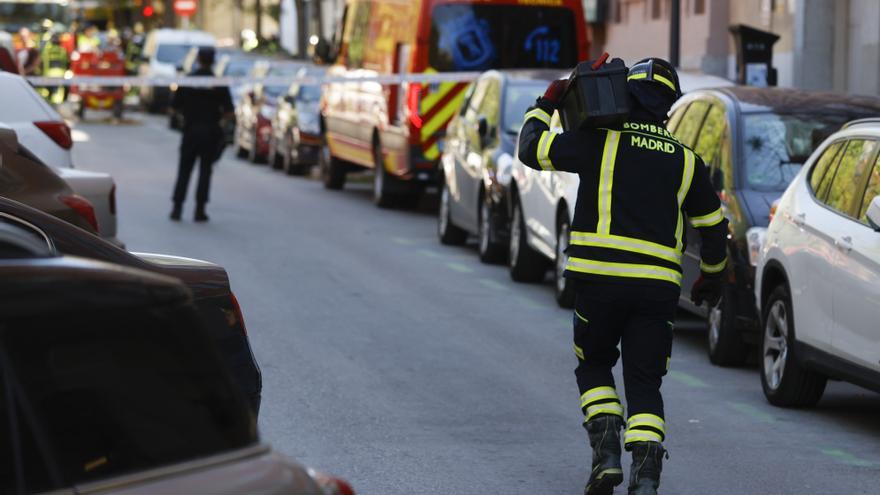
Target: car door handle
(844, 243)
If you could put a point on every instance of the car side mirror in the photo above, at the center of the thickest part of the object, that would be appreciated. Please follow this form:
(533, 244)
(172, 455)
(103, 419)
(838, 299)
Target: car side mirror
(9, 138)
(873, 213)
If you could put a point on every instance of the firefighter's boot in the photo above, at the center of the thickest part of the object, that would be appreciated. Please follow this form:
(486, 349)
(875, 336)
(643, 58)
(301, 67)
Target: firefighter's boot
(200, 215)
(604, 433)
(647, 462)
(176, 212)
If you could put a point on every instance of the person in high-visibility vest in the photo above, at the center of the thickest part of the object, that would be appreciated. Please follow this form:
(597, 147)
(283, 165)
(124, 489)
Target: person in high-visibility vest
(638, 187)
(55, 60)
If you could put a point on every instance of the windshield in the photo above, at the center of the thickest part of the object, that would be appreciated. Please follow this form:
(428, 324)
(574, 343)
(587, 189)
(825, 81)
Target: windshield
(172, 54)
(238, 68)
(776, 145)
(280, 71)
(15, 15)
(468, 37)
(519, 97)
(309, 93)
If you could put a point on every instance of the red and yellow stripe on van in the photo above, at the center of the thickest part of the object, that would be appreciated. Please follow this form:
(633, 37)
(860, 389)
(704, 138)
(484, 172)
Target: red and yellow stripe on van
(436, 109)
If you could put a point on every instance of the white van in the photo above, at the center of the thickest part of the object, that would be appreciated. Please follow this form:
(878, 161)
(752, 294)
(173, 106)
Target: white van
(163, 54)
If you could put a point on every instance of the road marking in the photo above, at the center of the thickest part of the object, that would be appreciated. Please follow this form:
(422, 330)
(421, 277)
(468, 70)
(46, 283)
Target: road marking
(493, 284)
(403, 241)
(458, 267)
(752, 411)
(847, 458)
(689, 380)
(525, 301)
(429, 253)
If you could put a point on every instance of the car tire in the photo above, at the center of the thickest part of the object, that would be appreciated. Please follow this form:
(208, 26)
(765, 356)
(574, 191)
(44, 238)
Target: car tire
(81, 110)
(564, 287)
(332, 170)
(490, 250)
(724, 343)
(287, 163)
(253, 156)
(525, 264)
(785, 381)
(118, 108)
(448, 233)
(381, 180)
(273, 158)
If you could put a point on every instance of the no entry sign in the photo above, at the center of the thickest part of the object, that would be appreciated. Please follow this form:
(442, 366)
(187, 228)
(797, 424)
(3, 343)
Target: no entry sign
(185, 8)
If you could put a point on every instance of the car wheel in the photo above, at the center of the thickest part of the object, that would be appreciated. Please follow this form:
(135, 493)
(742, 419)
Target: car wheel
(332, 170)
(784, 379)
(118, 108)
(725, 344)
(273, 157)
(253, 156)
(564, 286)
(381, 180)
(490, 251)
(287, 163)
(449, 233)
(526, 264)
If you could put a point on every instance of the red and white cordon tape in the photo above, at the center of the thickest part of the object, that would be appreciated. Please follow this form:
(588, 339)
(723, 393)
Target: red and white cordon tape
(203, 81)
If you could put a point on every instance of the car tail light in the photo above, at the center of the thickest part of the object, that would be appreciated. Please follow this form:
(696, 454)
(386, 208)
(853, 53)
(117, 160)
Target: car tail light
(113, 199)
(413, 99)
(755, 238)
(237, 308)
(773, 207)
(83, 208)
(330, 485)
(58, 131)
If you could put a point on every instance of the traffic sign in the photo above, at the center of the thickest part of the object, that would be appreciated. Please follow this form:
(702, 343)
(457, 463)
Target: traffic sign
(185, 8)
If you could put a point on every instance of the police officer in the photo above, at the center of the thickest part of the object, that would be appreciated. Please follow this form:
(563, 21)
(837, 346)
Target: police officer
(638, 185)
(202, 110)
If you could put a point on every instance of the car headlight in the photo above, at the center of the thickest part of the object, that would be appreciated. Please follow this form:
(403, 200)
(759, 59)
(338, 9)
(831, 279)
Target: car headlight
(755, 237)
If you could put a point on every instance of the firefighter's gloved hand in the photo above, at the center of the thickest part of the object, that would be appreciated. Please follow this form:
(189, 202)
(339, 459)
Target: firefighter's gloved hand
(707, 289)
(554, 92)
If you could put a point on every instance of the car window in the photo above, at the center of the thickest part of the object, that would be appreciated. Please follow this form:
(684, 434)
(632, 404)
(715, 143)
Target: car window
(518, 98)
(708, 143)
(123, 390)
(691, 122)
(476, 99)
(466, 101)
(20, 103)
(852, 168)
(871, 192)
(675, 118)
(490, 107)
(823, 166)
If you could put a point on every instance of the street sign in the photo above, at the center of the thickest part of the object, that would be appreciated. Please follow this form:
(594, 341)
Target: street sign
(185, 8)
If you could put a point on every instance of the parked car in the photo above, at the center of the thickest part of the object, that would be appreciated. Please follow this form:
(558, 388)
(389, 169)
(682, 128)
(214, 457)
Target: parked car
(209, 283)
(234, 64)
(398, 130)
(818, 274)
(23, 177)
(296, 138)
(753, 141)
(478, 157)
(164, 53)
(253, 115)
(45, 133)
(112, 385)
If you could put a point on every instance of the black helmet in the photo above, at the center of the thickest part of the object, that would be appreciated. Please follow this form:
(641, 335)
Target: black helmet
(657, 71)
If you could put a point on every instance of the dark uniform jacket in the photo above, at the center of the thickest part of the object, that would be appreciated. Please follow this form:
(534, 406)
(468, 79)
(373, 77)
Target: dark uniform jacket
(202, 107)
(638, 185)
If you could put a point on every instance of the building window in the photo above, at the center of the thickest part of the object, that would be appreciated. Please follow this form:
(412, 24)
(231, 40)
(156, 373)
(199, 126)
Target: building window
(699, 7)
(655, 9)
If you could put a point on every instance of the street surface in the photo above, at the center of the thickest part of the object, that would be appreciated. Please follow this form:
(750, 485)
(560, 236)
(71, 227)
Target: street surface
(408, 367)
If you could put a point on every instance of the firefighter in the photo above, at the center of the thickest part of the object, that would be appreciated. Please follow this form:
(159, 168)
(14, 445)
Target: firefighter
(55, 63)
(638, 185)
(202, 110)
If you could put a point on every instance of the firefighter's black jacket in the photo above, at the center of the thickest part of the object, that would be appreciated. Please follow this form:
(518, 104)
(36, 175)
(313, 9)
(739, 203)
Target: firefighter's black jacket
(638, 185)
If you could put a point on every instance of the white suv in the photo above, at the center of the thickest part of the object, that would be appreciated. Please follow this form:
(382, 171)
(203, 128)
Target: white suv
(818, 276)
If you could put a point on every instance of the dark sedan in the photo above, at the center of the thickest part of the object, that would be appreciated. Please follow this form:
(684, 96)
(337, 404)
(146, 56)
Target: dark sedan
(209, 283)
(478, 156)
(753, 141)
(296, 138)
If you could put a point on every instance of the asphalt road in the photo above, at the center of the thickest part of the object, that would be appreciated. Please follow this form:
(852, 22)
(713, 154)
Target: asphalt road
(408, 367)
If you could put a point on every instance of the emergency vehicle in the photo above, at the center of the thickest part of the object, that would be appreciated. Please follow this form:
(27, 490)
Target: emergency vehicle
(398, 128)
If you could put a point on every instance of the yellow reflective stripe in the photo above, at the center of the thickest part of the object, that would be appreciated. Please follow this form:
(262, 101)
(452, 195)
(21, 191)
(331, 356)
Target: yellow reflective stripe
(687, 176)
(628, 270)
(626, 244)
(433, 152)
(544, 143)
(609, 408)
(651, 420)
(439, 120)
(581, 317)
(708, 220)
(579, 352)
(641, 436)
(538, 114)
(656, 77)
(606, 180)
(713, 268)
(598, 393)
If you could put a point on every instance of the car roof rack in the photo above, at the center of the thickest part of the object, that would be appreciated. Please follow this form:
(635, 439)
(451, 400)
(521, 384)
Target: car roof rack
(868, 120)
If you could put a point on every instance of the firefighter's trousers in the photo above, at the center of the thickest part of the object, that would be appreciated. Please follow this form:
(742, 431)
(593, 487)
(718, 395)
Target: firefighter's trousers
(638, 318)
